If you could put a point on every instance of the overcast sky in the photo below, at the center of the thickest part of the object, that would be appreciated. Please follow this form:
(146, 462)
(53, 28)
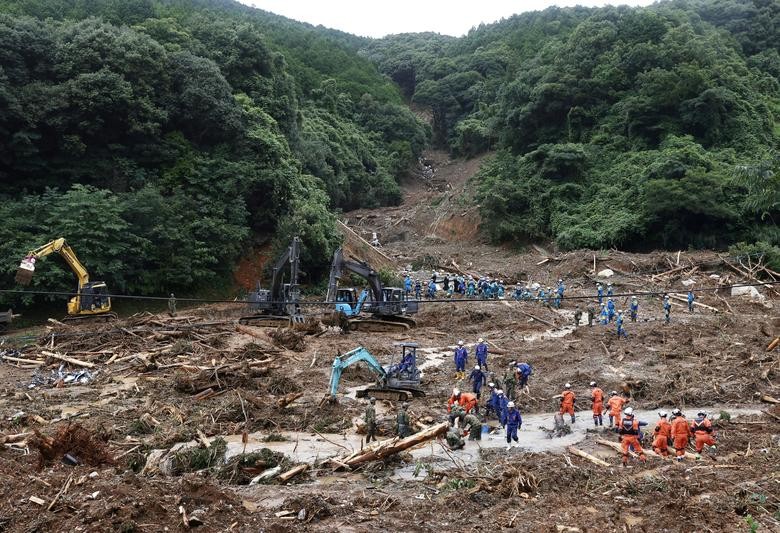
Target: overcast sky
(379, 18)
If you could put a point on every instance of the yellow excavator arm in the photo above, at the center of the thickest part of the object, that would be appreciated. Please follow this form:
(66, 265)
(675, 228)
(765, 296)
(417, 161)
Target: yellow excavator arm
(61, 247)
(91, 299)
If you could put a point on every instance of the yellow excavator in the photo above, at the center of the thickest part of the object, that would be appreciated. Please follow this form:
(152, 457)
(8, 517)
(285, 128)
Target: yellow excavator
(91, 300)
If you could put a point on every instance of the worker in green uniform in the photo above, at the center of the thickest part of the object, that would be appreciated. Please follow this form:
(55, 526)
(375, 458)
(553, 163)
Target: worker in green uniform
(370, 419)
(402, 426)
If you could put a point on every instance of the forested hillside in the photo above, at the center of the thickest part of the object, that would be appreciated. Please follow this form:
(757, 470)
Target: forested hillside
(613, 127)
(163, 138)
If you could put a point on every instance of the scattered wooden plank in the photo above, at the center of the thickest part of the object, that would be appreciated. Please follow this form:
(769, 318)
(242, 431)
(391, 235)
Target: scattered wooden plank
(62, 491)
(36, 500)
(768, 399)
(683, 298)
(773, 344)
(589, 457)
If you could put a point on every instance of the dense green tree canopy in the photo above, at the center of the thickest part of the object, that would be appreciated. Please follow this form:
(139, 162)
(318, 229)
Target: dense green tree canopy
(614, 126)
(163, 138)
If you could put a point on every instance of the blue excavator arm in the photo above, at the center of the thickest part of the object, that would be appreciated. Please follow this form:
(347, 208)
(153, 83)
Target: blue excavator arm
(349, 359)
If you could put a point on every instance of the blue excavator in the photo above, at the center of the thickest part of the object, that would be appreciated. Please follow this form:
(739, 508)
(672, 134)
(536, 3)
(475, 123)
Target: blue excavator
(399, 382)
(389, 307)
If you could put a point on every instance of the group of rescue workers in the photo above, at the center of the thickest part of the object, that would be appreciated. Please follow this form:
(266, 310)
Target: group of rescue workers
(463, 408)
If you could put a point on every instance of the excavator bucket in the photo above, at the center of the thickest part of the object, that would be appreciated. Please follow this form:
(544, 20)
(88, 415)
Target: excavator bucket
(25, 271)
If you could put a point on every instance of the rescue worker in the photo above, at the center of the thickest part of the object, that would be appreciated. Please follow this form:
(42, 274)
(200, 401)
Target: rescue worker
(691, 298)
(597, 403)
(524, 371)
(402, 425)
(455, 439)
(634, 308)
(701, 427)
(470, 288)
(461, 358)
(513, 422)
(477, 379)
(661, 435)
(474, 426)
(510, 381)
(609, 290)
(491, 402)
(468, 401)
(560, 289)
(577, 317)
(619, 322)
(600, 290)
(431, 289)
(417, 289)
(567, 401)
(667, 308)
(454, 399)
(591, 313)
(603, 315)
(481, 352)
(370, 419)
(446, 284)
(172, 305)
(610, 309)
(408, 284)
(681, 434)
(455, 414)
(615, 405)
(629, 435)
(501, 407)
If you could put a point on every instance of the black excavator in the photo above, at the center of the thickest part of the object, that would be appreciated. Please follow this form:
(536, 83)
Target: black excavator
(278, 305)
(388, 306)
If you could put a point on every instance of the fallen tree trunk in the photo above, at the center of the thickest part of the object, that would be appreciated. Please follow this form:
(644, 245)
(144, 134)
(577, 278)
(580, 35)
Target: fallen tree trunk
(773, 344)
(291, 473)
(768, 399)
(585, 455)
(529, 315)
(681, 298)
(70, 360)
(389, 447)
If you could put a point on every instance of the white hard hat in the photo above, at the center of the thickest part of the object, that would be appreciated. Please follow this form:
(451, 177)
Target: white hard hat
(491, 384)
(633, 297)
(510, 404)
(568, 385)
(481, 340)
(662, 414)
(629, 411)
(499, 391)
(676, 412)
(455, 392)
(476, 367)
(592, 383)
(460, 343)
(613, 393)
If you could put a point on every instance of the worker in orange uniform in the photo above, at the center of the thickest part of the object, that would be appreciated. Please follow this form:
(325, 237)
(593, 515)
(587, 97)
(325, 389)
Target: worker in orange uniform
(701, 427)
(615, 405)
(465, 399)
(629, 435)
(681, 434)
(597, 401)
(662, 433)
(567, 401)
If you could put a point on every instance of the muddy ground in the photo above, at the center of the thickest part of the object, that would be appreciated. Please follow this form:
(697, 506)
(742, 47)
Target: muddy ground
(154, 452)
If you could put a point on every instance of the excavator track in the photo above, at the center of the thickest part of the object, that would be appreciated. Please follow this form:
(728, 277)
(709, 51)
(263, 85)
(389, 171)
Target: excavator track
(105, 317)
(396, 395)
(265, 321)
(376, 325)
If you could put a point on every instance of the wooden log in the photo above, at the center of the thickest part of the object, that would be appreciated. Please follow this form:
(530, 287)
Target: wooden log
(291, 473)
(254, 332)
(389, 447)
(682, 298)
(67, 359)
(15, 437)
(284, 401)
(22, 360)
(585, 455)
(668, 272)
(545, 322)
(768, 399)
(773, 344)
